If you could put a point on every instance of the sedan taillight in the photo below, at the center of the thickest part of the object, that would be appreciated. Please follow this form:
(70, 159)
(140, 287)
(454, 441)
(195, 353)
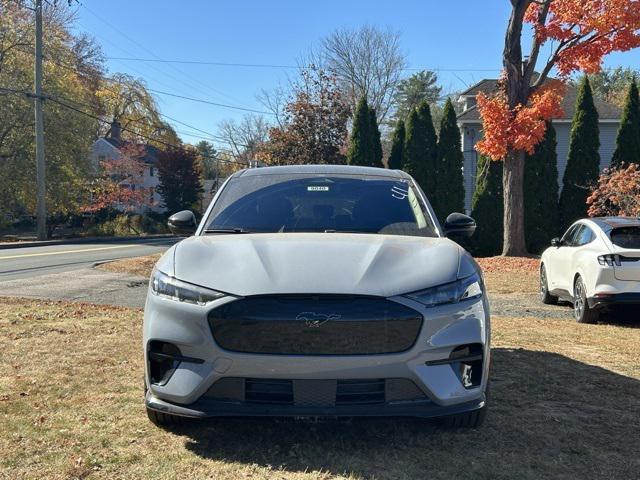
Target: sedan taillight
(609, 260)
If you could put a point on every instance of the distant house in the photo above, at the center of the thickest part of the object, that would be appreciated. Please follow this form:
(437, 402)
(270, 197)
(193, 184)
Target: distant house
(471, 131)
(112, 147)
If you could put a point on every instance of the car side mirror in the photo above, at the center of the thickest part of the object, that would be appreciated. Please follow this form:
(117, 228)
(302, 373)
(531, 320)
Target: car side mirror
(459, 225)
(556, 242)
(183, 223)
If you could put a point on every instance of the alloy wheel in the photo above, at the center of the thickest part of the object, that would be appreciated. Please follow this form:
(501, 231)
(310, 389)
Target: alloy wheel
(578, 302)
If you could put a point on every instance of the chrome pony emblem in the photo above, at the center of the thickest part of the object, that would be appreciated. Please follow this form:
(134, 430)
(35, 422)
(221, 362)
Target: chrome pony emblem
(314, 320)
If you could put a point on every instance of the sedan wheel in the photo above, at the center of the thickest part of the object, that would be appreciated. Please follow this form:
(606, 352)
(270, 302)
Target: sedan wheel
(581, 310)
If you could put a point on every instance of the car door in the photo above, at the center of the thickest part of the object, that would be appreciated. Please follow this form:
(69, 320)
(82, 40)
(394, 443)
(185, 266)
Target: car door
(559, 260)
(566, 257)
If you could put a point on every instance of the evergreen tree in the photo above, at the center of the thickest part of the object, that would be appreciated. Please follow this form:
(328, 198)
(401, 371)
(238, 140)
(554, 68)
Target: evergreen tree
(541, 220)
(583, 160)
(487, 209)
(376, 143)
(421, 148)
(360, 150)
(628, 140)
(449, 188)
(179, 176)
(397, 147)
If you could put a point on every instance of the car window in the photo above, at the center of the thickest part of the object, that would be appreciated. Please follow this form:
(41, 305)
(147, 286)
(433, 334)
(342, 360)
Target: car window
(583, 236)
(626, 237)
(567, 238)
(321, 203)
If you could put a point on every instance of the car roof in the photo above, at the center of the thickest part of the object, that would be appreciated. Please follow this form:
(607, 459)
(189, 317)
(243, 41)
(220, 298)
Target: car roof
(323, 170)
(609, 223)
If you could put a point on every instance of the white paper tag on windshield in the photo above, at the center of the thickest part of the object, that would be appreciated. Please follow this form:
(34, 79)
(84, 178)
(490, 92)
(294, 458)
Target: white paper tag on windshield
(317, 188)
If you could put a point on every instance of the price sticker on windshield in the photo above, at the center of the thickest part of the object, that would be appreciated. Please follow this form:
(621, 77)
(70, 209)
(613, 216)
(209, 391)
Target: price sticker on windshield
(317, 188)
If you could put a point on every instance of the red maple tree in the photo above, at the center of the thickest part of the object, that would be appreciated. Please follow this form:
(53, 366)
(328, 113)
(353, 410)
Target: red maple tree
(579, 34)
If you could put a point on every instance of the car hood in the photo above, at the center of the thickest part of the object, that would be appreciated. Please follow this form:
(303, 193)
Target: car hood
(330, 263)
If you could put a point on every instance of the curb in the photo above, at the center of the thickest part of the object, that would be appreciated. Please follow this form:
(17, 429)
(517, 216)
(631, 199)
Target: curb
(73, 241)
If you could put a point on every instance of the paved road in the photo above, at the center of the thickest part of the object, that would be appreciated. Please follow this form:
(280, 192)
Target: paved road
(64, 272)
(17, 263)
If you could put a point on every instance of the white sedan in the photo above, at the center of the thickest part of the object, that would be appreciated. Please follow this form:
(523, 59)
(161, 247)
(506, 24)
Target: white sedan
(596, 264)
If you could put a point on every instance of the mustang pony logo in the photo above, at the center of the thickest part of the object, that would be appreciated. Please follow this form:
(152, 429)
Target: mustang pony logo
(314, 320)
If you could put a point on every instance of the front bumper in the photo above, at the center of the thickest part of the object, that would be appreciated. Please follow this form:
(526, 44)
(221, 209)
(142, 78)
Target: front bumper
(207, 408)
(444, 328)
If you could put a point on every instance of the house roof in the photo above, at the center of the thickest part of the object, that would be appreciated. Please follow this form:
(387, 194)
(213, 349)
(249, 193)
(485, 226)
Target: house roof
(149, 153)
(606, 110)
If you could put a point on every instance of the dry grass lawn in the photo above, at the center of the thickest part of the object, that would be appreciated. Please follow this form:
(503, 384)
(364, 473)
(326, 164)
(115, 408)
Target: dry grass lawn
(565, 404)
(139, 266)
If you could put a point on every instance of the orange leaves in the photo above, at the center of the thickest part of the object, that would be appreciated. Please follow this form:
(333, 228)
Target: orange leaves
(617, 193)
(521, 128)
(587, 30)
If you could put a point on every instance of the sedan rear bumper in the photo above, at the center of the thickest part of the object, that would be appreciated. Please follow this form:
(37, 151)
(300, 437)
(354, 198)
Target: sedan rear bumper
(629, 298)
(206, 408)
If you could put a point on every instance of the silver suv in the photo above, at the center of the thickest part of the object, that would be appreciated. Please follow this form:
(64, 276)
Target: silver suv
(317, 291)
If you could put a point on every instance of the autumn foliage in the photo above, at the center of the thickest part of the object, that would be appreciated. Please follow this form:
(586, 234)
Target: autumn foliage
(521, 128)
(617, 193)
(119, 184)
(579, 33)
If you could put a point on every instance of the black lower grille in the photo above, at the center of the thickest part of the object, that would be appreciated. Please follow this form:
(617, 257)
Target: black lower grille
(352, 392)
(315, 325)
(269, 391)
(319, 393)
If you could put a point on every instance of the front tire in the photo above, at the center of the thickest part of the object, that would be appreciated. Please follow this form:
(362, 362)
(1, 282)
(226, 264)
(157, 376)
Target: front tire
(545, 296)
(581, 310)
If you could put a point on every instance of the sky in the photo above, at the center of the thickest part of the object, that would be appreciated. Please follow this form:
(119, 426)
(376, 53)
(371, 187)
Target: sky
(460, 39)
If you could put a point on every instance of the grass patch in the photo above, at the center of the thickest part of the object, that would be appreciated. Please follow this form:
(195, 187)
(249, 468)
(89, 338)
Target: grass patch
(564, 404)
(139, 266)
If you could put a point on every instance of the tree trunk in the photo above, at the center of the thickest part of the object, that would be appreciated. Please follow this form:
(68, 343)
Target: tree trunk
(512, 183)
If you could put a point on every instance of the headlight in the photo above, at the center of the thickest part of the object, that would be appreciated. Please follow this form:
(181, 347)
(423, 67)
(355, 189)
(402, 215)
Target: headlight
(464, 289)
(165, 286)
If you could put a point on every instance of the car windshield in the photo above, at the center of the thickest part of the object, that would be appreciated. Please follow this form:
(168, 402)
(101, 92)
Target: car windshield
(626, 237)
(320, 203)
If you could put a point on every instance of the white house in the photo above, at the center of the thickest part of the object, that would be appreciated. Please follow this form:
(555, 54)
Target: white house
(471, 130)
(112, 147)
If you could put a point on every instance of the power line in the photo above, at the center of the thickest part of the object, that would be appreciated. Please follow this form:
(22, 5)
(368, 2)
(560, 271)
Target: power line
(126, 129)
(269, 65)
(153, 54)
(200, 100)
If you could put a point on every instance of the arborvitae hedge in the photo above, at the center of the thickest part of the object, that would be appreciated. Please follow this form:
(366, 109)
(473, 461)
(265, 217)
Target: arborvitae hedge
(628, 140)
(397, 147)
(360, 150)
(583, 160)
(541, 219)
(421, 148)
(376, 143)
(487, 209)
(449, 187)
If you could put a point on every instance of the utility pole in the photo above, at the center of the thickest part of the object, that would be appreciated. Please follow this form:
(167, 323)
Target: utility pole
(41, 214)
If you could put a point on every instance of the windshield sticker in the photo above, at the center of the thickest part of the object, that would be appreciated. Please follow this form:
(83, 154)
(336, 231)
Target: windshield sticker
(317, 188)
(400, 191)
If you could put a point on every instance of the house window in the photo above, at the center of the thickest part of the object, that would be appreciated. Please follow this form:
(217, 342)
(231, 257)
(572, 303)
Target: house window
(151, 171)
(102, 158)
(151, 192)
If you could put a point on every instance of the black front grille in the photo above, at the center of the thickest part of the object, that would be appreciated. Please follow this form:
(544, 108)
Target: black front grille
(359, 392)
(315, 325)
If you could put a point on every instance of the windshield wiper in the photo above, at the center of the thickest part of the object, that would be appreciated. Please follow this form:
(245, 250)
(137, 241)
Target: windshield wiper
(226, 230)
